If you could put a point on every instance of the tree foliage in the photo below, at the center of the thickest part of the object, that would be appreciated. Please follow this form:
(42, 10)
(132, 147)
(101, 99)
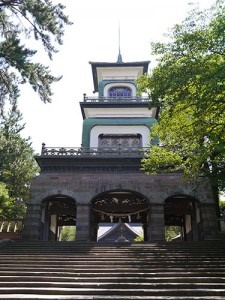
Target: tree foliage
(20, 21)
(188, 85)
(222, 208)
(68, 233)
(6, 202)
(172, 232)
(17, 165)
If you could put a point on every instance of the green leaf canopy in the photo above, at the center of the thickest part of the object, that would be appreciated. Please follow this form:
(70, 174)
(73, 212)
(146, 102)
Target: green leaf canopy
(188, 85)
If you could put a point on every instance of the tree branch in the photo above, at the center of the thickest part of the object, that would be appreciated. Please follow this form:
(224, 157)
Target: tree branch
(9, 3)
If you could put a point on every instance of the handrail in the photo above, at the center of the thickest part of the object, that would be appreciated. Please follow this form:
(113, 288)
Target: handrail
(116, 99)
(74, 151)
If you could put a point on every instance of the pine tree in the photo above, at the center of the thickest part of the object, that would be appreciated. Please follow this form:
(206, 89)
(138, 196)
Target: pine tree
(21, 21)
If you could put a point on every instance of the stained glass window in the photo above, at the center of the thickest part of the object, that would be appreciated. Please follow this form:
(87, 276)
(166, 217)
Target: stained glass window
(119, 91)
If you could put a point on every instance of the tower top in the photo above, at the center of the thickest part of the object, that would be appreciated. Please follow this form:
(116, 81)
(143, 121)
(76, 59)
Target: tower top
(117, 71)
(119, 59)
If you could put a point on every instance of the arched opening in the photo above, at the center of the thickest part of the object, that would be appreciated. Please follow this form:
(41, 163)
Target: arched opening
(119, 216)
(182, 218)
(119, 92)
(58, 218)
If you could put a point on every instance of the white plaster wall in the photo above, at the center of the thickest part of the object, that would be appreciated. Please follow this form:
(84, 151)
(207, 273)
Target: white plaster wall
(120, 73)
(53, 220)
(119, 112)
(97, 130)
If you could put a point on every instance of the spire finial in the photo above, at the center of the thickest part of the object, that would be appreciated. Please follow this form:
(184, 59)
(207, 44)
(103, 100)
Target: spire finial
(119, 59)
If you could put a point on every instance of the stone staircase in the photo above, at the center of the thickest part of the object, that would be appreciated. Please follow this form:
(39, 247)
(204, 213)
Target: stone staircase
(69, 270)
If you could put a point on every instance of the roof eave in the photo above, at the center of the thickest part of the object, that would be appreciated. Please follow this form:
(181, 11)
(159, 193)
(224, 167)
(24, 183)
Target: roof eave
(95, 65)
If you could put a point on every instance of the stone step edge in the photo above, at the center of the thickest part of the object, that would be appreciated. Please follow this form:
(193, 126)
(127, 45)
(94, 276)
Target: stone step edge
(162, 279)
(106, 297)
(112, 285)
(213, 274)
(117, 292)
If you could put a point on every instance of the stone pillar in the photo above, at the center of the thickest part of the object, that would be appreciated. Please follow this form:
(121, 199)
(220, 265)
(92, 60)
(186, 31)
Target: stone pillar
(156, 225)
(209, 222)
(32, 222)
(83, 223)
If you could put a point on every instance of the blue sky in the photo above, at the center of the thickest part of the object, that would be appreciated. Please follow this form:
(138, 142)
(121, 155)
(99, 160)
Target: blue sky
(94, 37)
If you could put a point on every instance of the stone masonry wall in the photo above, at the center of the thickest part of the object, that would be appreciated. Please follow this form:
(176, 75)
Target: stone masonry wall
(84, 186)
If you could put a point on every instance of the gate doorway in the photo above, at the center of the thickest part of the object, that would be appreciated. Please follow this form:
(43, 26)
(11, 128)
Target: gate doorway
(59, 212)
(119, 208)
(181, 215)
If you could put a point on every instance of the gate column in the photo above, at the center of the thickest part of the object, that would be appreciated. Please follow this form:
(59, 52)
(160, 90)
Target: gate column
(83, 223)
(156, 226)
(209, 221)
(32, 223)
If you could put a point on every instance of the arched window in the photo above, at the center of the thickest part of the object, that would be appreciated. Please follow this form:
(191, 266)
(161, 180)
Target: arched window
(119, 91)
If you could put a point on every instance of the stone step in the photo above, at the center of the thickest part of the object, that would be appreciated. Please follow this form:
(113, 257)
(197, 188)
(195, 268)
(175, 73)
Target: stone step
(119, 253)
(189, 246)
(116, 278)
(109, 259)
(112, 285)
(115, 269)
(114, 292)
(99, 263)
(54, 270)
(106, 297)
(94, 245)
(215, 274)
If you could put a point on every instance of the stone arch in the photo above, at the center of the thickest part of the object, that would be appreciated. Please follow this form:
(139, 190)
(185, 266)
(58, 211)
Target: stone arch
(119, 206)
(58, 210)
(123, 186)
(182, 210)
(55, 191)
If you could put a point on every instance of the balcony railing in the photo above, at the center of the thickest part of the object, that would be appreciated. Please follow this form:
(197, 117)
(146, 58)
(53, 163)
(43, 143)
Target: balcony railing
(116, 99)
(82, 151)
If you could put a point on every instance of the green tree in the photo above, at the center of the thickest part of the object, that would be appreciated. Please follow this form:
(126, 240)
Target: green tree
(6, 203)
(21, 20)
(188, 85)
(172, 232)
(68, 233)
(222, 208)
(17, 164)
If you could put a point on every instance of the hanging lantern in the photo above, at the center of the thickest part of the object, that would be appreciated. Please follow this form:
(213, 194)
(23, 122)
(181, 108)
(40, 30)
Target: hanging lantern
(102, 218)
(138, 216)
(129, 218)
(111, 218)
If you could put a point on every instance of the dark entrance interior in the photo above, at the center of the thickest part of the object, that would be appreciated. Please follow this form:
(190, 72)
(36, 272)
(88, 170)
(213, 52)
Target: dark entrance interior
(59, 211)
(180, 213)
(119, 207)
